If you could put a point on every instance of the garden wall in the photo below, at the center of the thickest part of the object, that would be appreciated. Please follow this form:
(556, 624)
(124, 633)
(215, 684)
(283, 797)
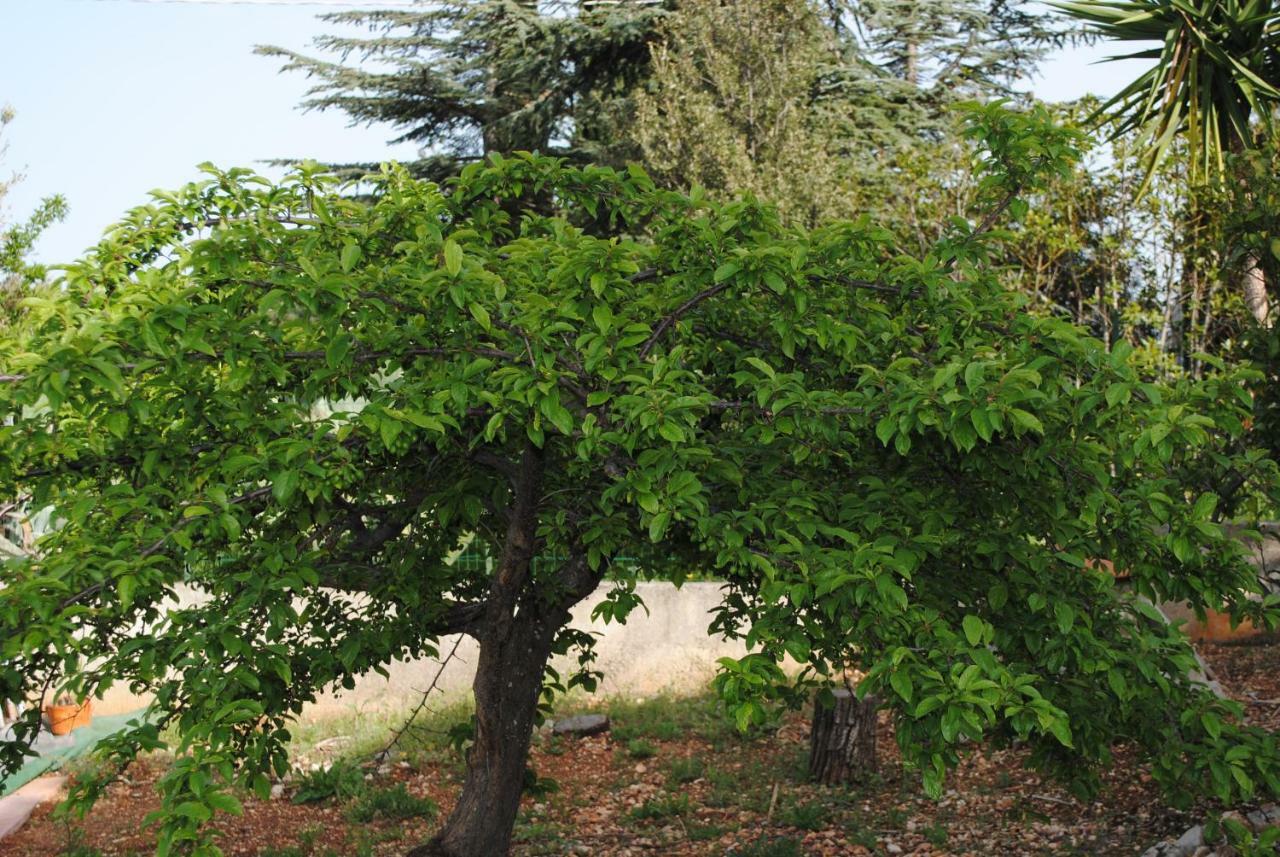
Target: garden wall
(666, 649)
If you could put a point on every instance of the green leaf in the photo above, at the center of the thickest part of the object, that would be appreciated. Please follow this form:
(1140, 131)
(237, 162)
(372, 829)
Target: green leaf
(973, 629)
(1065, 616)
(725, 271)
(336, 352)
(602, 315)
(1027, 420)
(452, 257)
(283, 484)
(126, 585)
(998, 596)
(901, 683)
(351, 254)
(764, 367)
(481, 315)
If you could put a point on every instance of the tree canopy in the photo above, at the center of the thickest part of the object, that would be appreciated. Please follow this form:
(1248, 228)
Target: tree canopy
(302, 403)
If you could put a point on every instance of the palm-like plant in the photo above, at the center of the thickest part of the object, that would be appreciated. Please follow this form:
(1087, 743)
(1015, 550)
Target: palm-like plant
(1216, 83)
(1218, 68)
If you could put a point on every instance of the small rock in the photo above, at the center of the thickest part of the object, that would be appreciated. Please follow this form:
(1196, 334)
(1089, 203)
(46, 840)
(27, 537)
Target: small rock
(1192, 839)
(582, 850)
(277, 791)
(640, 768)
(581, 725)
(893, 848)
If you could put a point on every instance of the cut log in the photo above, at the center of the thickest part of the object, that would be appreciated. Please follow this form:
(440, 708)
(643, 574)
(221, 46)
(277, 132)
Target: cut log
(842, 745)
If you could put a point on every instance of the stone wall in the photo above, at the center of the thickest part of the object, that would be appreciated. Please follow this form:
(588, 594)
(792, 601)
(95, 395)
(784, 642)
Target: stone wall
(666, 649)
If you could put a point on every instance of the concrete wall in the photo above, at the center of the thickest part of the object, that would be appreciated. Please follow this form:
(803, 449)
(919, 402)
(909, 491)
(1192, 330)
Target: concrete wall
(667, 649)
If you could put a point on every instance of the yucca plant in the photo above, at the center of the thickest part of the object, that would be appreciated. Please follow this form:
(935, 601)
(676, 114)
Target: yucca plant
(1216, 83)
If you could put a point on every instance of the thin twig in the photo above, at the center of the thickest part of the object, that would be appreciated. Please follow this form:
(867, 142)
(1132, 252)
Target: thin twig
(381, 755)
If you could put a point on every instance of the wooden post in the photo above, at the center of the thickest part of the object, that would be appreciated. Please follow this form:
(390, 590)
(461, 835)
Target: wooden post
(842, 745)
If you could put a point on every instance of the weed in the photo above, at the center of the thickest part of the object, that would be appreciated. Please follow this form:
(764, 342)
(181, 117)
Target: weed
(661, 807)
(539, 787)
(341, 780)
(685, 770)
(394, 804)
(936, 834)
(858, 834)
(704, 832)
(724, 788)
(638, 748)
(806, 816)
(773, 846)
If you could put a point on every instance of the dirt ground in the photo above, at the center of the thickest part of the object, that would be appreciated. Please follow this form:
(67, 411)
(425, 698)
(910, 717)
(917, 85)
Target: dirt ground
(672, 778)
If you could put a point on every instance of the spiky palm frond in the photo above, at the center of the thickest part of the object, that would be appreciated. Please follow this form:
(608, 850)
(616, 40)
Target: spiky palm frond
(1216, 78)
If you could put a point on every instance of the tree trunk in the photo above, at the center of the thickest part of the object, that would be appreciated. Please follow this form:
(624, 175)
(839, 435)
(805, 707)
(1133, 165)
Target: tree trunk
(516, 641)
(507, 683)
(1255, 292)
(842, 745)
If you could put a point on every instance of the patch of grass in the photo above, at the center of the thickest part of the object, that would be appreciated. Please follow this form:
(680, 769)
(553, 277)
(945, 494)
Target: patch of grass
(936, 834)
(668, 717)
(806, 816)
(539, 836)
(394, 804)
(771, 846)
(340, 781)
(856, 832)
(685, 770)
(638, 748)
(704, 832)
(667, 806)
(369, 730)
(724, 787)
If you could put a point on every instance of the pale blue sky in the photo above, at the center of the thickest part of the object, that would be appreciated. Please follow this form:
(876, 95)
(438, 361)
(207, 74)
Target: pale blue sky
(116, 97)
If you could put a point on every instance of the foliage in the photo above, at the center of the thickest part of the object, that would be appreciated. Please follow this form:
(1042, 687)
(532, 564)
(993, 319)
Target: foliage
(302, 404)
(1217, 67)
(339, 781)
(17, 274)
(730, 105)
(467, 77)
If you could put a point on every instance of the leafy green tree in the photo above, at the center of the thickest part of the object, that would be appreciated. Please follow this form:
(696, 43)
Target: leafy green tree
(730, 105)
(1215, 83)
(301, 403)
(17, 274)
(468, 77)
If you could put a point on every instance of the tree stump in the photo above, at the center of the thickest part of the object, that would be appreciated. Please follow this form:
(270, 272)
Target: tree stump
(842, 746)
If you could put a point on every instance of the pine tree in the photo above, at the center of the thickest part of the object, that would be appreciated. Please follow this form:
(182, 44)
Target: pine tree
(470, 77)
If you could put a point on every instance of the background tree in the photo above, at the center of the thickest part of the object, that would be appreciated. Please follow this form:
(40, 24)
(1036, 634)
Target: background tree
(302, 404)
(16, 239)
(733, 104)
(468, 77)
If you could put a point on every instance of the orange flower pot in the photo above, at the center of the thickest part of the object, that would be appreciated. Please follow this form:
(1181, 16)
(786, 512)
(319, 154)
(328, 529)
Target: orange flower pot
(64, 718)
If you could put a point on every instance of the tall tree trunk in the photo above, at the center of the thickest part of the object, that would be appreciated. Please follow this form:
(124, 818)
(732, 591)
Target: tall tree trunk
(1255, 291)
(516, 641)
(507, 683)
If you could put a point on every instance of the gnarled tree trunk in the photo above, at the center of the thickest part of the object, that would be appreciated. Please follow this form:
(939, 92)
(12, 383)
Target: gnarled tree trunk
(842, 745)
(517, 636)
(508, 679)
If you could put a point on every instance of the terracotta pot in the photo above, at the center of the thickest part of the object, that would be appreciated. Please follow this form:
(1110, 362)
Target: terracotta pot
(1216, 628)
(64, 718)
